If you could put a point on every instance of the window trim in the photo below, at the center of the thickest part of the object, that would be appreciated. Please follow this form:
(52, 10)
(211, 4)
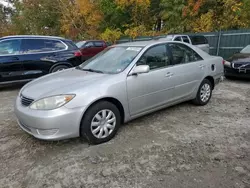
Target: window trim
(150, 70)
(183, 44)
(66, 46)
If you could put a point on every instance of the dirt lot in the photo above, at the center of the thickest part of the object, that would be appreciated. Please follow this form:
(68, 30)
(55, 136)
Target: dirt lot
(183, 146)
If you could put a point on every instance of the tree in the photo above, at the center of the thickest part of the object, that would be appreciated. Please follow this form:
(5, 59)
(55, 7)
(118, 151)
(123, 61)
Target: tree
(80, 18)
(36, 17)
(172, 15)
(213, 15)
(111, 35)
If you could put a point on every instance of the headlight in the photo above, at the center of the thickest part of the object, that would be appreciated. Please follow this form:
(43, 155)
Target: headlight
(227, 64)
(52, 102)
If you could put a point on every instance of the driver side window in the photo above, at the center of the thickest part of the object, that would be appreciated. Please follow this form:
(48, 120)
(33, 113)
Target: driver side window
(10, 47)
(89, 45)
(156, 57)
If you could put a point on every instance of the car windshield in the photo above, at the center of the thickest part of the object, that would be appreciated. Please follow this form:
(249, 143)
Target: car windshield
(246, 50)
(80, 44)
(112, 60)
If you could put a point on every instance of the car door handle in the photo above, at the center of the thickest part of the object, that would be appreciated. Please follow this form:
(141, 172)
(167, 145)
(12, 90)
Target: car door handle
(202, 66)
(169, 74)
(14, 58)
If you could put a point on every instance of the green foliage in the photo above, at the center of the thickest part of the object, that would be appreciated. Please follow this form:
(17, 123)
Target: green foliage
(111, 19)
(111, 35)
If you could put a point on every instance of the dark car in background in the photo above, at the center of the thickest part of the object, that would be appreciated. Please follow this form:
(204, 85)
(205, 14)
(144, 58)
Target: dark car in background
(91, 47)
(23, 58)
(239, 64)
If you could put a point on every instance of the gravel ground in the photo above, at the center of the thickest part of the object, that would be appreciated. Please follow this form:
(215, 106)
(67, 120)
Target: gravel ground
(182, 146)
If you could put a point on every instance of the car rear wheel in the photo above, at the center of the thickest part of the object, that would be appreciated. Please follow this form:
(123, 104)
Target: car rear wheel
(100, 122)
(59, 68)
(204, 93)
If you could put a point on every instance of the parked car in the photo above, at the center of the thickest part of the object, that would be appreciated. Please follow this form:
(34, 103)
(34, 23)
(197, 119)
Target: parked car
(121, 83)
(91, 47)
(23, 58)
(197, 40)
(239, 64)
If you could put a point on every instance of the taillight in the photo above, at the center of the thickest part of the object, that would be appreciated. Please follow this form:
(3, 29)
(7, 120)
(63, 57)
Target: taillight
(223, 62)
(78, 54)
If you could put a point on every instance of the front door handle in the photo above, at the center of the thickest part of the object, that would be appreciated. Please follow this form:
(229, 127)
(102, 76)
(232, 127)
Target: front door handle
(169, 74)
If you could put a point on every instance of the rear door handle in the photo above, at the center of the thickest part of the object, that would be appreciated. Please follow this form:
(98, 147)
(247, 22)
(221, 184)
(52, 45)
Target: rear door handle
(202, 66)
(14, 58)
(169, 74)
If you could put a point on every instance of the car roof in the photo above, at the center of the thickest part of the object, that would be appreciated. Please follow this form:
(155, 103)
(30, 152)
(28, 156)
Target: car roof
(32, 36)
(142, 43)
(91, 41)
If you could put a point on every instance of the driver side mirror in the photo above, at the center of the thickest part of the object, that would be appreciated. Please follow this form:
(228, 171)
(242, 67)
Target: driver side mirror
(140, 69)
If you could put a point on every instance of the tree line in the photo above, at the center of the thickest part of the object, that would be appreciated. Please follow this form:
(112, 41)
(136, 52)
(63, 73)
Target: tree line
(112, 19)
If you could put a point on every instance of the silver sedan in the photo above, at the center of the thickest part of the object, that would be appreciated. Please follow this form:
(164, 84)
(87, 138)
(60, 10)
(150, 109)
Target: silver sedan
(121, 83)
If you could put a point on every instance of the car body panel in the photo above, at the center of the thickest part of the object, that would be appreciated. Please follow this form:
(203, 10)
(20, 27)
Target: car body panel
(138, 94)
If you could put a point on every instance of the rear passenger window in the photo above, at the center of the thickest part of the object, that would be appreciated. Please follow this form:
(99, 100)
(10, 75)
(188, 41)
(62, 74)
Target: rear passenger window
(183, 54)
(156, 57)
(9, 47)
(98, 44)
(197, 40)
(53, 45)
(41, 45)
(185, 39)
(178, 39)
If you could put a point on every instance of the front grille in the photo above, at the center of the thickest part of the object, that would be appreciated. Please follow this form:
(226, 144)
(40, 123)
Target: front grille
(26, 101)
(241, 66)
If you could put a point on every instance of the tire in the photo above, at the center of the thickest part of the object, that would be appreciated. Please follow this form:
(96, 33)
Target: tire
(91, 126)
(206, 88)
(59, 68)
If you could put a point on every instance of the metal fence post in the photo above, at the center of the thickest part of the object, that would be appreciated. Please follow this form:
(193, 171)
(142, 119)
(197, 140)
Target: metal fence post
(218, 44)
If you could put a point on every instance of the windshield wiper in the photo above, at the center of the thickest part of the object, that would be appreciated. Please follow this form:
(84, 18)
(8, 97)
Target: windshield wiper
(92, 70)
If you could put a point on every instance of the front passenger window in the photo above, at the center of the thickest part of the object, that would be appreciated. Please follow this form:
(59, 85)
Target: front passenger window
(156, 57)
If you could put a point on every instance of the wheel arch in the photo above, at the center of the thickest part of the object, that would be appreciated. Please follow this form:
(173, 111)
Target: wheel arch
(58, 64)
(211, 79)
(112, 100)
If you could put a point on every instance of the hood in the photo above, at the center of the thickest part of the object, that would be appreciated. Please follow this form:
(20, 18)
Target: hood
(240, 58)
(63, 82)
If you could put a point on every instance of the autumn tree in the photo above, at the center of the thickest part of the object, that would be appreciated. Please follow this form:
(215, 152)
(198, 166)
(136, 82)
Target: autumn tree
(205, 16)
(80, 18)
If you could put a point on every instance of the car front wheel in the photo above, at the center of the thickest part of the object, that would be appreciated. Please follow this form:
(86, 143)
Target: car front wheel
(100, 122)
(204, 93)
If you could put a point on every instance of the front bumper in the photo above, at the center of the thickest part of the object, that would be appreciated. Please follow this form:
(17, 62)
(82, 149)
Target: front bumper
(230, 72)
(58, 124)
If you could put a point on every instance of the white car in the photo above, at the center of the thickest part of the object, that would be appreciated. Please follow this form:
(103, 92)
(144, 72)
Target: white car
(197, 40)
